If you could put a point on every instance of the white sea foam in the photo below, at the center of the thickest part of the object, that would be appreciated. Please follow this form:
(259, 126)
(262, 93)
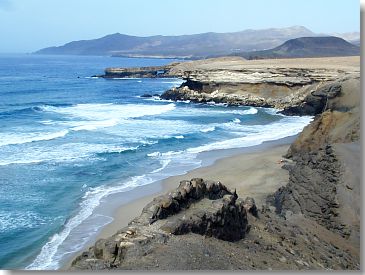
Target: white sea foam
(91, 125)
(255, 135)
(176, 82)
(98, 116)
(212, 103)
(208, 129)
(164, 165)
(179, 137)
(127, 78)
(184, 101)
(58, 153)
(158, 99)
(258, 134)
(139, 129)
(214, 111)
(47, 122)
(273, 111)
(251, 111)
(109, 111)
(21, 138)
(20, 220)
(51, 254)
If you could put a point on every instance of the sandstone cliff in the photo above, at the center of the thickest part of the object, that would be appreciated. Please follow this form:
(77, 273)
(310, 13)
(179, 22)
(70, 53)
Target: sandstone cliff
(286, 84)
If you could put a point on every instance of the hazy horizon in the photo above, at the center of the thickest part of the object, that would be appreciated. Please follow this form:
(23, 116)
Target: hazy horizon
(27, 26)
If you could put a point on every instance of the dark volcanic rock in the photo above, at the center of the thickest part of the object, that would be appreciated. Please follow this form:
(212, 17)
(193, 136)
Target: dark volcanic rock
(317, 173)
(223, 218)
(316, 102)
(312, 188)
(197, 206)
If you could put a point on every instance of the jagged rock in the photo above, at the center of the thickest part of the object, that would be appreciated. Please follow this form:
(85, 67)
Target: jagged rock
(250, 206)
(140, 72)
(222, 218)
(205, 208)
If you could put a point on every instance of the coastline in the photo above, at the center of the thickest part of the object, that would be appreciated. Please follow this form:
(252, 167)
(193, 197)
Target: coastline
(256, 174)
(254, 171)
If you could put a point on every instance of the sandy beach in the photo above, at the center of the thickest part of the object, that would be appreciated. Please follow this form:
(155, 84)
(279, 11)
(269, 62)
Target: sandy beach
(252, 174)
(254, 171)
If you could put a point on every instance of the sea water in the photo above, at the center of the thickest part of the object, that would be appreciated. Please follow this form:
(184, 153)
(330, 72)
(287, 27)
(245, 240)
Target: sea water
(68, 140)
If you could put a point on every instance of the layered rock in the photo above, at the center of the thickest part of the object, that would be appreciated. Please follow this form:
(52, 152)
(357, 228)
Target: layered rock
(323, 153)
(140, 72)
(299, 89)
(197, 206)
(339, 120)
(298, 86)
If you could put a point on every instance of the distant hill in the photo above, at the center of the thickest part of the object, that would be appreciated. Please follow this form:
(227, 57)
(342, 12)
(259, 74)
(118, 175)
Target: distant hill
(183, 46)
(352, 37)
(307, 47)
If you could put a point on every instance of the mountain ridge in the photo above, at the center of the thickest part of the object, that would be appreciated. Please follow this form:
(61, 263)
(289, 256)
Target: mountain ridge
(323, 46)
(186, 46)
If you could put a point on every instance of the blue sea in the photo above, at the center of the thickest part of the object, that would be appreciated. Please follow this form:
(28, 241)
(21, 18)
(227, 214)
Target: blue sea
(69, 140)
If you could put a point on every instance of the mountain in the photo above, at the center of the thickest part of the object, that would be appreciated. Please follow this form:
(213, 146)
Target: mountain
(352, 37)
(183, 46)
(307, 47)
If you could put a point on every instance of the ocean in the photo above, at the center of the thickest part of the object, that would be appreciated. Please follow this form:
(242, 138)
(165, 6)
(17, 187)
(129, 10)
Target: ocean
(68, 140)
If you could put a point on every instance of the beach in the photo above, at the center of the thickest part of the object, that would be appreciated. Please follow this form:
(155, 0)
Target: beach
(253, 171)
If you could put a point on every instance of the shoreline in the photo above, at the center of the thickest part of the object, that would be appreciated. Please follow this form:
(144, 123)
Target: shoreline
(261, 170)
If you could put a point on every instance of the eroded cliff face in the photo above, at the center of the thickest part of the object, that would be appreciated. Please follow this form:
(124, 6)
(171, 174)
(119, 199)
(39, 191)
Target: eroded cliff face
(338, 123)
(324, 179)
(279, 84)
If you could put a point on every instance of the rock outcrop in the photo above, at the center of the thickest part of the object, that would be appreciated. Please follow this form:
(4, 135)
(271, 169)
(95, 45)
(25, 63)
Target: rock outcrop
(338, 122)
(298, 90)
(202, 207)
(140, 72)
(323, 154)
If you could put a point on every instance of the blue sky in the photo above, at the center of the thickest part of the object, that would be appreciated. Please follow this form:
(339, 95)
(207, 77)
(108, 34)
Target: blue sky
(28, 25)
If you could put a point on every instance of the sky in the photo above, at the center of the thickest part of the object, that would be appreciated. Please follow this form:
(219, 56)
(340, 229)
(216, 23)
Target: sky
(29, 25)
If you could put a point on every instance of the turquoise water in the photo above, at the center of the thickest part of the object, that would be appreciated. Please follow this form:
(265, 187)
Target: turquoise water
(67, 141)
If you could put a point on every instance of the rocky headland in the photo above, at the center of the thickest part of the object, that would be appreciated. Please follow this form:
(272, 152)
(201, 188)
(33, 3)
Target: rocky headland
(312, 222)
(296, 86)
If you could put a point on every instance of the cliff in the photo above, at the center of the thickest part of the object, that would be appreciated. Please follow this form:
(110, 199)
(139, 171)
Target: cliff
(285, 84)
(324, 181)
